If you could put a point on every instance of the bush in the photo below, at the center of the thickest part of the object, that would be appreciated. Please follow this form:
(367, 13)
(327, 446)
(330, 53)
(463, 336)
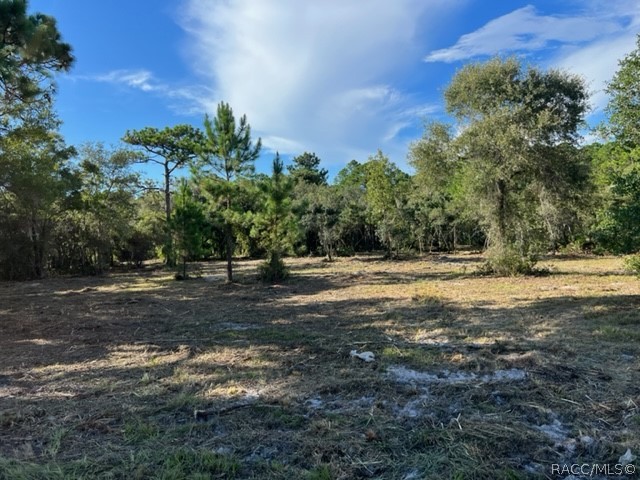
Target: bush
(508, 263)
(137, 248)
(273, 270)
(632, 264)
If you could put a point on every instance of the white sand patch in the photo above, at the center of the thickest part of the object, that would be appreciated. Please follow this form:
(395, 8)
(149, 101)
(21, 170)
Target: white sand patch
(406, 375)
(555, 431)
(414, 408)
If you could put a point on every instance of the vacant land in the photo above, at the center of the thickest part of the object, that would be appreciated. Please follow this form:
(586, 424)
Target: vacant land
(135, 375)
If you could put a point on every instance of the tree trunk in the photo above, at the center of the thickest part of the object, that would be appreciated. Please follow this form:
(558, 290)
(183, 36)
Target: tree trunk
(168, 243)
(455, 238)
(37, 270)
(228, 234)
(501, 212)
(229, 242)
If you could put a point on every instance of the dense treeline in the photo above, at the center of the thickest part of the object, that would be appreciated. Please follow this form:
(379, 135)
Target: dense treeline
(508, 175)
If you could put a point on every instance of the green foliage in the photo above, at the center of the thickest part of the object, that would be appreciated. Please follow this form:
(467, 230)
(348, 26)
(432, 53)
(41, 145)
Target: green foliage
(137, 247)
(192, 464)
(386, 193)
(616, 164)
(632, 264)
(306, 169)
(616, 226)
(322, 210)
(322, 472)
(508, 262)
(519, 167)
(188, 225)
(512, 178)
(437, 197)
(35, 178)
(98, 224)
(624, 103)
(273, 270)
(227, 148)
(354, 174)
(228, 153)
(149, 224)
(275, 225)
(170, 148)
(137, 430)
(354, 228)
(32, 49)
(36, 185)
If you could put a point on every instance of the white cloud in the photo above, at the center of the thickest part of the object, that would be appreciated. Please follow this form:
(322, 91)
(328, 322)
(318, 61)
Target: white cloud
(524, 30)
(318, 76)
(597, 63)
(589, 43)
(140, 79)
(185, 100)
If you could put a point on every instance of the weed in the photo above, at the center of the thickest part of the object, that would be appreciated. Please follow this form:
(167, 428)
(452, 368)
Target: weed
(137, 431)
(323, 472)
(198, 464)
(55, 441)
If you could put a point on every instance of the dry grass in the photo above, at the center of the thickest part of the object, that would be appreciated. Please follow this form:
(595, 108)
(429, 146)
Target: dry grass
(503, 377)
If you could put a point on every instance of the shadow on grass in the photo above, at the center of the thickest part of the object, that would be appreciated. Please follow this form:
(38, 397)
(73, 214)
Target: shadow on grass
(94, 370)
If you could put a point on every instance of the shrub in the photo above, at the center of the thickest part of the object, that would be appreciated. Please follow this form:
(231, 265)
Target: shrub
(632, 264)
(508, 262)
(273, 270)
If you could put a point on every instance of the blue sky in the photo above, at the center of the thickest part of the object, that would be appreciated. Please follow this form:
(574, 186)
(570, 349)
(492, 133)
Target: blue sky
(341, 78)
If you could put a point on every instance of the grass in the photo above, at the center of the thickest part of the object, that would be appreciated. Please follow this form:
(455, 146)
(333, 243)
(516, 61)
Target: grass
(100, 377)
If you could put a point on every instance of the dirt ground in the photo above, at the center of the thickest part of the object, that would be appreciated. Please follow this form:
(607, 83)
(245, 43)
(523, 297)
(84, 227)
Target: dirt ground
(136, 375)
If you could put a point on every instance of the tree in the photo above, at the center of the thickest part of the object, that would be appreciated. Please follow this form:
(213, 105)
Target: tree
(386, 192)
(624, 102)
(31, 50)
(616, 175)
(171, 148)
(430, 200)
(439, 217)
(148, 234)
(97, 225)
(306, 169)
(616, 164)
(37, 183)
(519, 130)
(35, 178)
(355, 230)
(188, 225)
(228, 152)
(275, 225)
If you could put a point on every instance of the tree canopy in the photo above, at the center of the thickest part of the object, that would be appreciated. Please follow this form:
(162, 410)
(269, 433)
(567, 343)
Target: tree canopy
(624, 103)
(519, 131)
(31, 50)
(228, 152)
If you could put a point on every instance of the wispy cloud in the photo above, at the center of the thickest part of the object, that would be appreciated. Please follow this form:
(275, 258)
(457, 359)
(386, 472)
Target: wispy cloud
(185, 100)
(321, 76)
(524, 30)
(139, 79)
(589, 42)
(597, 63)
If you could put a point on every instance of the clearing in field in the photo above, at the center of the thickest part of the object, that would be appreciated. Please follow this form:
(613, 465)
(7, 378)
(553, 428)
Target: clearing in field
(135, 375)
